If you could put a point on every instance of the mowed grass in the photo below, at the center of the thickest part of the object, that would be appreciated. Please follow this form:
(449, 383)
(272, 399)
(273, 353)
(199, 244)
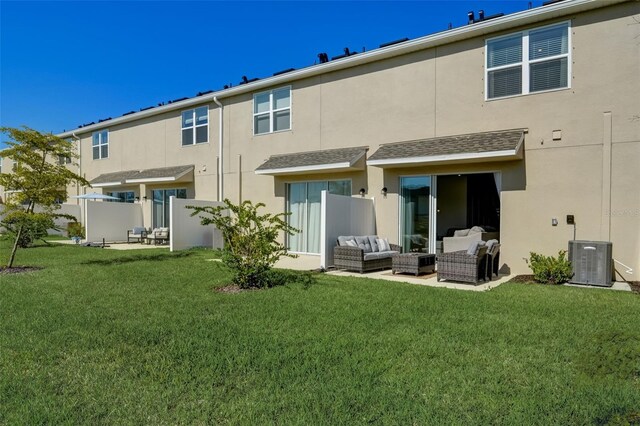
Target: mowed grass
(113, 337)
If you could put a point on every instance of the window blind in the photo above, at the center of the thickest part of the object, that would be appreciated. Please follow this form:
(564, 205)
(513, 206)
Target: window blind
(504, 51)
(505, 82)
(548, 75)
(548, 42)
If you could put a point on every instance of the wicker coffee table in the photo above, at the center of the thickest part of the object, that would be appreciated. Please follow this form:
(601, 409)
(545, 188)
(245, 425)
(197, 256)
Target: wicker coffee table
(413, 263)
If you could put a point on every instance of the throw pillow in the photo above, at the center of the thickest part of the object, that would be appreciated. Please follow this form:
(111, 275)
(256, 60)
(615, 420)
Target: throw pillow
(342, 240)
(383, 244)
(461, 233)
(351, 243)
(364, 244)
(373, 241)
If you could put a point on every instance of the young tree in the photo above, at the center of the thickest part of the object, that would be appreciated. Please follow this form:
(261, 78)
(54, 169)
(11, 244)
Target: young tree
(36, 180)
(251, 246)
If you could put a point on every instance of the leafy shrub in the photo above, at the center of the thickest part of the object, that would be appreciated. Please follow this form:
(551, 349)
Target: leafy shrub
(75, 229)
(549, 269)
(251, 246)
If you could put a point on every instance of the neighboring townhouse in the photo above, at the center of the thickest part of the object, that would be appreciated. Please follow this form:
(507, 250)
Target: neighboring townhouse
(511, 123)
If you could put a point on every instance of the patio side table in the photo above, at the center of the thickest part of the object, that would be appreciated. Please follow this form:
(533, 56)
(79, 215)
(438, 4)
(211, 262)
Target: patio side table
(413, 263)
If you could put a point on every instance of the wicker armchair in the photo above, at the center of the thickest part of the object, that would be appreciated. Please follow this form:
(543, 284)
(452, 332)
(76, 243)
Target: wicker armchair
(353, 258)
(463, 267)
(493, 261)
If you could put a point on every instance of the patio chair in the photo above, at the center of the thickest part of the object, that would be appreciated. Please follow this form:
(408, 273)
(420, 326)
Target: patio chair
(462, 266)
(493, 259)
(158, 236)
(137, 233)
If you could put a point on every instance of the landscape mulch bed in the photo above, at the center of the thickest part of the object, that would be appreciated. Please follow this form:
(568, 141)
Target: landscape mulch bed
(522, 279)
(635, 286)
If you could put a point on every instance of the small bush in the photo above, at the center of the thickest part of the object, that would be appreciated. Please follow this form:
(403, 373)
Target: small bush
(75, 229)
(549, 269)
(251, 245)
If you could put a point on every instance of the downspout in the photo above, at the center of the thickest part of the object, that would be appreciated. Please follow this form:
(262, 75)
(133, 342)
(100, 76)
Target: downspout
(220, 171)
(79, 156)
(84, 204)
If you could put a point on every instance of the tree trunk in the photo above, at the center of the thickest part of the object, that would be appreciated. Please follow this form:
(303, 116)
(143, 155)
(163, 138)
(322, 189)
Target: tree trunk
(15, 247)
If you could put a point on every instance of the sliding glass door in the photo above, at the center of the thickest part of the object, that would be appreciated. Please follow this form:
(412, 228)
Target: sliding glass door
(304, 202)
(434, 207)
(415, 213)
(161, 205)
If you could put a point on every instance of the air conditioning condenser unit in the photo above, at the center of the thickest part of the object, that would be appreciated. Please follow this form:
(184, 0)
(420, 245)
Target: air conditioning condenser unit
(592, 262)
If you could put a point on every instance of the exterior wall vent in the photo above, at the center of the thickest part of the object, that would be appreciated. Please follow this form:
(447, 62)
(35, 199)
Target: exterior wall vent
(592, 262)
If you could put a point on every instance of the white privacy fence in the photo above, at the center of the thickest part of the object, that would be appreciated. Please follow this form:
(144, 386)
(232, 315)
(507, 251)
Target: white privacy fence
(186, 231)
(343, 215)
(111, 220)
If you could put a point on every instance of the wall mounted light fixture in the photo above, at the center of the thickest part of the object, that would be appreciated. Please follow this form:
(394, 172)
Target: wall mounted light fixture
(384, 192)
(362, 192)
(144, 198)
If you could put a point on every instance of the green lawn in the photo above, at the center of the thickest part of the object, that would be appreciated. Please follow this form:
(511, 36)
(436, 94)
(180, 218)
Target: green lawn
(114, 337)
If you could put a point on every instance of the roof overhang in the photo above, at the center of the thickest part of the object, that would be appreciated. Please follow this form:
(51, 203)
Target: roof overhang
(331, 160)
(513, 20)
(106, 184)
(513, 152)
(147, 176)
(174, 178)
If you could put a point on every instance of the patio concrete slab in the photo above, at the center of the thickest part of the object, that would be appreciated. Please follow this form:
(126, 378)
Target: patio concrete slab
(618, 286)
(303, 262)
(426, 280)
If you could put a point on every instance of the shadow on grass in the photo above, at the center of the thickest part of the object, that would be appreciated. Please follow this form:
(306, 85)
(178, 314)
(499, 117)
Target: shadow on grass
(139, 258)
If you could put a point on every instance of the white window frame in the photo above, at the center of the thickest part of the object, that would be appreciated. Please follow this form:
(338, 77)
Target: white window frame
(526, 62)
(272, 111)
(101, 143)
(194, 126)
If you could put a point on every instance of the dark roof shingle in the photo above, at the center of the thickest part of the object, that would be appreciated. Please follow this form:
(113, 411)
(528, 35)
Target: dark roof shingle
(162, 172)
(313, 158)
(503, 140)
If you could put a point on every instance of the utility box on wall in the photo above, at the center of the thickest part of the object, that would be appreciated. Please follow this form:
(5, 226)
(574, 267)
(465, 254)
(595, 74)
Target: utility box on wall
(592, 262)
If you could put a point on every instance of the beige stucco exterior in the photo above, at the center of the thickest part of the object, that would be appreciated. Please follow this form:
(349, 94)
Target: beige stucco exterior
(591, 171)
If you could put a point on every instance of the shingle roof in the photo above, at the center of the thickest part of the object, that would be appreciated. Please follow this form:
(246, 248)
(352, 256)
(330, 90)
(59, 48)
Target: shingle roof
(162, 172)
(473, 143)
(328, 157)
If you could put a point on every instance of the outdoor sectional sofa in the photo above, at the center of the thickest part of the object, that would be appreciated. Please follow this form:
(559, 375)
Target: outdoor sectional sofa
(363, 253)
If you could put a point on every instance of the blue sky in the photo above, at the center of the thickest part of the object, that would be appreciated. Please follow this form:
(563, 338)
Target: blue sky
(63, 64)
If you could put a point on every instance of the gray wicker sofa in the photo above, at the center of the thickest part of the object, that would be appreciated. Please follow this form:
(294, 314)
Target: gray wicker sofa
(365, 256)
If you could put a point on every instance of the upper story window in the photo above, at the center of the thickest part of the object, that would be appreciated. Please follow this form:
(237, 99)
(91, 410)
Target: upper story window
(272, 111)
(527, 62)
(195, 126)
(100, 144)
(63, 159)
